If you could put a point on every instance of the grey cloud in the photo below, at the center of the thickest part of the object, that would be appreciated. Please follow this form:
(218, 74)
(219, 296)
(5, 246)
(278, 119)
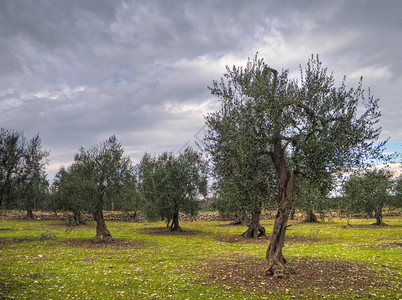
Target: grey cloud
(78, 71)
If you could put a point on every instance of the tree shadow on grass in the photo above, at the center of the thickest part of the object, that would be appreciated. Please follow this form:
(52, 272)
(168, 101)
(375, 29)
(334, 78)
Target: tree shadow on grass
(166, 231)
(265, 239)
(89, 243)
(77, 242)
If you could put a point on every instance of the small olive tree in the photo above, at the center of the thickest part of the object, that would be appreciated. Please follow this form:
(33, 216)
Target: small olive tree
(368, 193)
(169, 184)
(33, 185)
(96, 177)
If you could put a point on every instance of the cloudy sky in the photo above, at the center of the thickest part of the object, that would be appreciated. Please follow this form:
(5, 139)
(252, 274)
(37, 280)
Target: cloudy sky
(78, 71)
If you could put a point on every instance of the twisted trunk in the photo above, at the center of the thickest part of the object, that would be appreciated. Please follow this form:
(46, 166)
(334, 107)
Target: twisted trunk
(276, 263)
(292, 214)
(102, 233)
(30, 215)
(175, 222)
(311, 217)
(254, 228)
(378, 215)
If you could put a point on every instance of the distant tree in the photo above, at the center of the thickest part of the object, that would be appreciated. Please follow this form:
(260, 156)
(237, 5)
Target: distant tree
(368, 193)
(169, 184)
(227, 207)
(311, 194)
(397, 197)
(95, 178)
(33, 185)
(300, 125)
(11, 160)
(71, 189)
(130, 197)
(244, 184)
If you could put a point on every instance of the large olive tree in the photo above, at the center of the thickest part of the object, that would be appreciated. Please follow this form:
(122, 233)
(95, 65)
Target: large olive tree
(309, 124)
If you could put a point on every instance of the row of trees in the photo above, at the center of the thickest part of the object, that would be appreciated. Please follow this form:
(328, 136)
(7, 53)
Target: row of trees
(275, 142)
(160, 186)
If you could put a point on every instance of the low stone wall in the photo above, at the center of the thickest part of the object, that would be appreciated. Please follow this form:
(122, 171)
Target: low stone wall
(202, 216)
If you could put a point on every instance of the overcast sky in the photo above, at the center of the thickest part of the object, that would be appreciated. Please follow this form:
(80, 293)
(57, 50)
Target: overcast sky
(80, 71)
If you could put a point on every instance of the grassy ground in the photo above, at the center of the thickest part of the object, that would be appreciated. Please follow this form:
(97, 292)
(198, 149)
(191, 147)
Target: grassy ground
(47, 260)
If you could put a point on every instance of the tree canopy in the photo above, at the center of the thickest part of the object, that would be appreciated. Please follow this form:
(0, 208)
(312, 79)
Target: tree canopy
(307, 127)
(96, 177)
(368, 193)
(169, 184)
(23, 182)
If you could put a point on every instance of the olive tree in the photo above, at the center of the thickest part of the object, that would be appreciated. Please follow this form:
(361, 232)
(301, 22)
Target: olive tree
(169, 184)
(33, 185)
(243, 182)
(307, 124)
(97, 177)
(368, 192)
(71, 189)
(311, 194)
(11, 158)
(23, 182)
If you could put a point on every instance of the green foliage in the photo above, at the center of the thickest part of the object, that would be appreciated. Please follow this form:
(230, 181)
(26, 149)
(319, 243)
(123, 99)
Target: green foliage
(11, 161)
(23, 182)
(311, 194)
(47, 235)
(169, 184)
(310, 127)
(33, 186)
(396, 198)
(368, 193)
(98, 176)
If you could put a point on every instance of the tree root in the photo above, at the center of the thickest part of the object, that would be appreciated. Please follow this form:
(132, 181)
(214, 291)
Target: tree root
(276, 268)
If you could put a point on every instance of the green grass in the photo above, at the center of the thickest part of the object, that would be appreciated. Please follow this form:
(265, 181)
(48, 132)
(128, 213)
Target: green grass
(36, 262)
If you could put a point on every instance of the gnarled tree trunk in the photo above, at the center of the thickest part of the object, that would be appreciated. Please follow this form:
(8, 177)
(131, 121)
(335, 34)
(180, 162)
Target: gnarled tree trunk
(292, 214)
(311, 217)
(276, 263)
(254, 229)
(30, 215)
(102, 233)
(175, 222)
(378, 216)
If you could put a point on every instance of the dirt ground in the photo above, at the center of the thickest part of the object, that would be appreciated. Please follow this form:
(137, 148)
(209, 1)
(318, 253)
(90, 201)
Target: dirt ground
(306, 277)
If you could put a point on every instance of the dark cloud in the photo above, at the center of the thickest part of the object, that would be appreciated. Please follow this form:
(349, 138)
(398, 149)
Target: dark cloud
(79, 71)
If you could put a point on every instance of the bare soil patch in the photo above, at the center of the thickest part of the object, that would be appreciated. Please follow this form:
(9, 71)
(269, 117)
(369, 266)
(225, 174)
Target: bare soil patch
(89, 243)
(264, 239)
(8, 229)
(4, 241)
(383, 246)
(306, 277)
(166, 231)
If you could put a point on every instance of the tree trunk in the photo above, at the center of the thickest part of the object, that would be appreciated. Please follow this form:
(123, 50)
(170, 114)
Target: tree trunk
(311, 217)
(254, 228)
(175, 222)
(30, 215)
(77, 218)
(276, 263)
(378, 216)
(102, 233)
(292, 214)
(244, 220)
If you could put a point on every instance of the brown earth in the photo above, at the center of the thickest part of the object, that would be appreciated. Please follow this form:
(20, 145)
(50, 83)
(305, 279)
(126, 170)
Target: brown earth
(306, 278)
